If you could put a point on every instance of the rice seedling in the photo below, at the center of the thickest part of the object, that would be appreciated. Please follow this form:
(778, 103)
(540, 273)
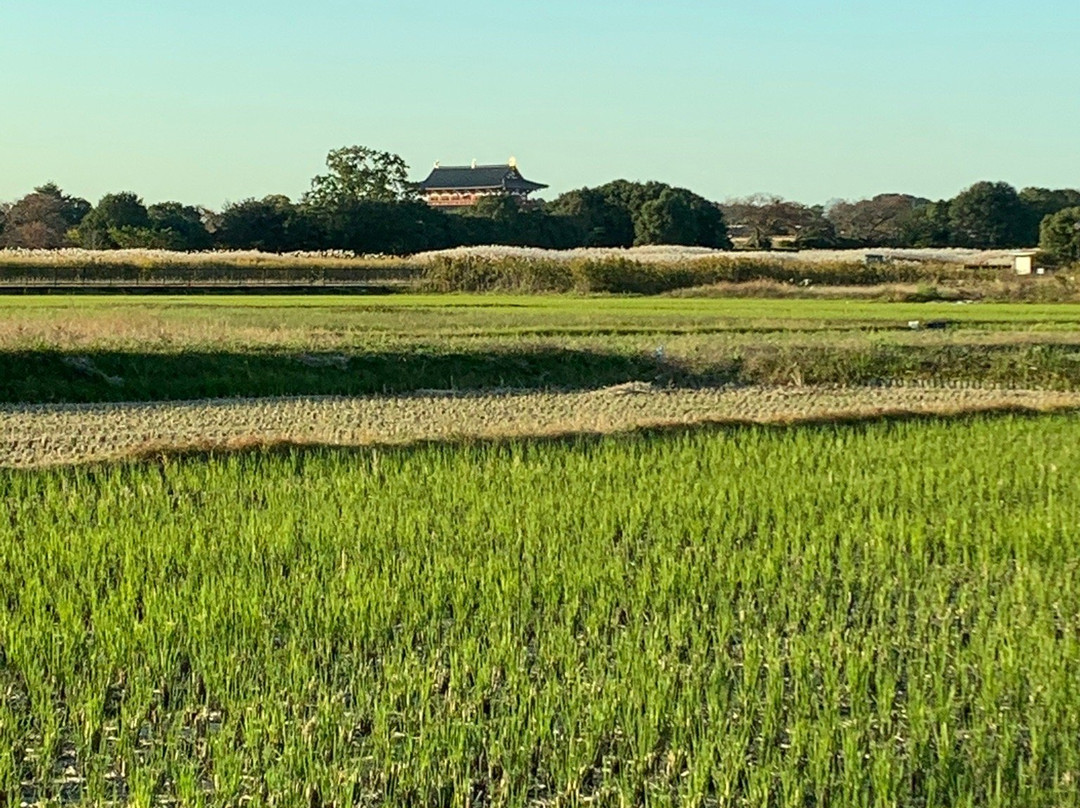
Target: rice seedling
(881, 614)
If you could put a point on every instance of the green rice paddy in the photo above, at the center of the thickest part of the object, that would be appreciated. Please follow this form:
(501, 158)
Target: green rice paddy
(885, 614)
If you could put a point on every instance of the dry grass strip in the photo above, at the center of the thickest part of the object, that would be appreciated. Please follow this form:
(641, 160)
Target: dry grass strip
(44, 435)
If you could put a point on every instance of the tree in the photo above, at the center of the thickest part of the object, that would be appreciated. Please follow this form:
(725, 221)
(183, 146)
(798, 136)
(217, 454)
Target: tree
(179, 226)
(927, 226)
(989, 215)
(878, 222)
(763, 216)
(270, 224)
(632, 196)
(42, 219)
(599, 220)
(622, 213)
(817, 233)
(1042, 202)
(386, 227)
(502, 219)
(359, 174)
(500, 208)
(118, 220)
(1059, 235)
(678, 216)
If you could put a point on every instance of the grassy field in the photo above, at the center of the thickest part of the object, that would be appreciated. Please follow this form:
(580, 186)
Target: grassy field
(875, 613)
(137, 348)
(884, 614)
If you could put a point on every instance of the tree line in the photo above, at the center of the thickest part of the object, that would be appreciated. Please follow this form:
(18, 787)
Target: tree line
(366, 204)
(988, 215)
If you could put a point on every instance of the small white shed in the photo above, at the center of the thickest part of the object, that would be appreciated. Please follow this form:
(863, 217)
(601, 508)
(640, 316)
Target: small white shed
(1024, 262)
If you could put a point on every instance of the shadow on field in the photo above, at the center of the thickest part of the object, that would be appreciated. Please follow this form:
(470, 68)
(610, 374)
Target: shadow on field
(31, 377)
(57, 377)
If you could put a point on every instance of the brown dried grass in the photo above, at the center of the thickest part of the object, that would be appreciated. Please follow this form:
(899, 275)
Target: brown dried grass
(48, 435)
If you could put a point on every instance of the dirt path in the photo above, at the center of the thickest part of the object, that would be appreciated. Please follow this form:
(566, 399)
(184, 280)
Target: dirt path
(40, 435)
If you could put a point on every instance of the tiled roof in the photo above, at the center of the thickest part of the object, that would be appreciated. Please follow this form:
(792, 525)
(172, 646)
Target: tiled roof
(505, 177)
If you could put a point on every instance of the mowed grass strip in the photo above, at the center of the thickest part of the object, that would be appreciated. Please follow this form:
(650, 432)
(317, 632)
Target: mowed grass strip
(885, 614)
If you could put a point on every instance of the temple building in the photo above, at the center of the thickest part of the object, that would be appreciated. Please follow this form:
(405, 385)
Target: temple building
(462, 186)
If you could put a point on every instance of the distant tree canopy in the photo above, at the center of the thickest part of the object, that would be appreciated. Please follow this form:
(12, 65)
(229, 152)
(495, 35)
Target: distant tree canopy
(42, 219)
(1042, 202)
(599, 220)
(270, 224)
(179, 227)
(1059, 235)
(763, 217)
(678, 216)
(989, 214)
(883, 221)
(359, 174)
(365, 203)
(117, 220)
(624, 213)
(927, 226)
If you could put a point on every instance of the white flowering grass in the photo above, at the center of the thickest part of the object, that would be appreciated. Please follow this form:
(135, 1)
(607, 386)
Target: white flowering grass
(653, 254)
(144, 258)
(674, 254)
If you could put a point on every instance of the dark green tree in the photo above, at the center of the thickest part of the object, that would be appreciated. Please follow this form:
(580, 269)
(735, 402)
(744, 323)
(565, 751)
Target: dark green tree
(179, 226)
(502, 219)
(385, 227)
(989, 215)
(366, 203)
(1059, 235)
(600, 221)
(502, 209)
(678, 216)
(271, 224)
(1042, 202)
(118, 220)
(927, 226)
(632, 196)
(657, 213)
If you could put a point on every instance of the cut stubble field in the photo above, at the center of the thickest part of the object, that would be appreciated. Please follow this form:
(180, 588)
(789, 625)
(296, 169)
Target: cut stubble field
(44, 435)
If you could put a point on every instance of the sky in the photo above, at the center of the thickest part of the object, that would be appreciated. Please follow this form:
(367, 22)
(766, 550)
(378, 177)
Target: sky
(213, 102)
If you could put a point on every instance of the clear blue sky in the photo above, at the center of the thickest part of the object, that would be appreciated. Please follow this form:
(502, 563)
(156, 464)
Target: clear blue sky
(206, 102)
